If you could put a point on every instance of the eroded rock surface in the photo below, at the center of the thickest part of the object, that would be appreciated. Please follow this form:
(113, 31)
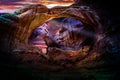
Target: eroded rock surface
(17, 28)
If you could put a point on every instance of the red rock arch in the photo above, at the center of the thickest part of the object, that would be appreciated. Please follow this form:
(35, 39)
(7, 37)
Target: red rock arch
(30, 17)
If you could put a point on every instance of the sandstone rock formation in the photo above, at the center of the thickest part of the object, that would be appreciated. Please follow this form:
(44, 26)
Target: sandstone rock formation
(17, 28)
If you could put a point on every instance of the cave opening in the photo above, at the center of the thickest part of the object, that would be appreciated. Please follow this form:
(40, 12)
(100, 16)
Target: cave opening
(52, 27)
(64, 33)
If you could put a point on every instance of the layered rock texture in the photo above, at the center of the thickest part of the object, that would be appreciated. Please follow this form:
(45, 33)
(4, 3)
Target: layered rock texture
(16, 29)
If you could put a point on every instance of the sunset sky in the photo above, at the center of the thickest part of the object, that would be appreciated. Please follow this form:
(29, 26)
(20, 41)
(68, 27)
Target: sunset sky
(9, 6)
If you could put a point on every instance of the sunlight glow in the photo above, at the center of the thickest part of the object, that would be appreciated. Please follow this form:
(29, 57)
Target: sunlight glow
(53, 5)
(10, 7)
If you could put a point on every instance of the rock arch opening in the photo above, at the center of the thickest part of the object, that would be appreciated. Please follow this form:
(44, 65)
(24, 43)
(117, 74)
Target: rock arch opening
(73, 39)
(49, 28)
(65, 33)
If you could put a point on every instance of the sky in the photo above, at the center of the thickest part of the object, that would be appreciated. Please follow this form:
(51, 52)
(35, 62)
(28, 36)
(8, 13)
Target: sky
(9, 6)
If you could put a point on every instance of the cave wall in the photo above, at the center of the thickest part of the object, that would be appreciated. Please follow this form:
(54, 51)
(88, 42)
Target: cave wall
(8, 28)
